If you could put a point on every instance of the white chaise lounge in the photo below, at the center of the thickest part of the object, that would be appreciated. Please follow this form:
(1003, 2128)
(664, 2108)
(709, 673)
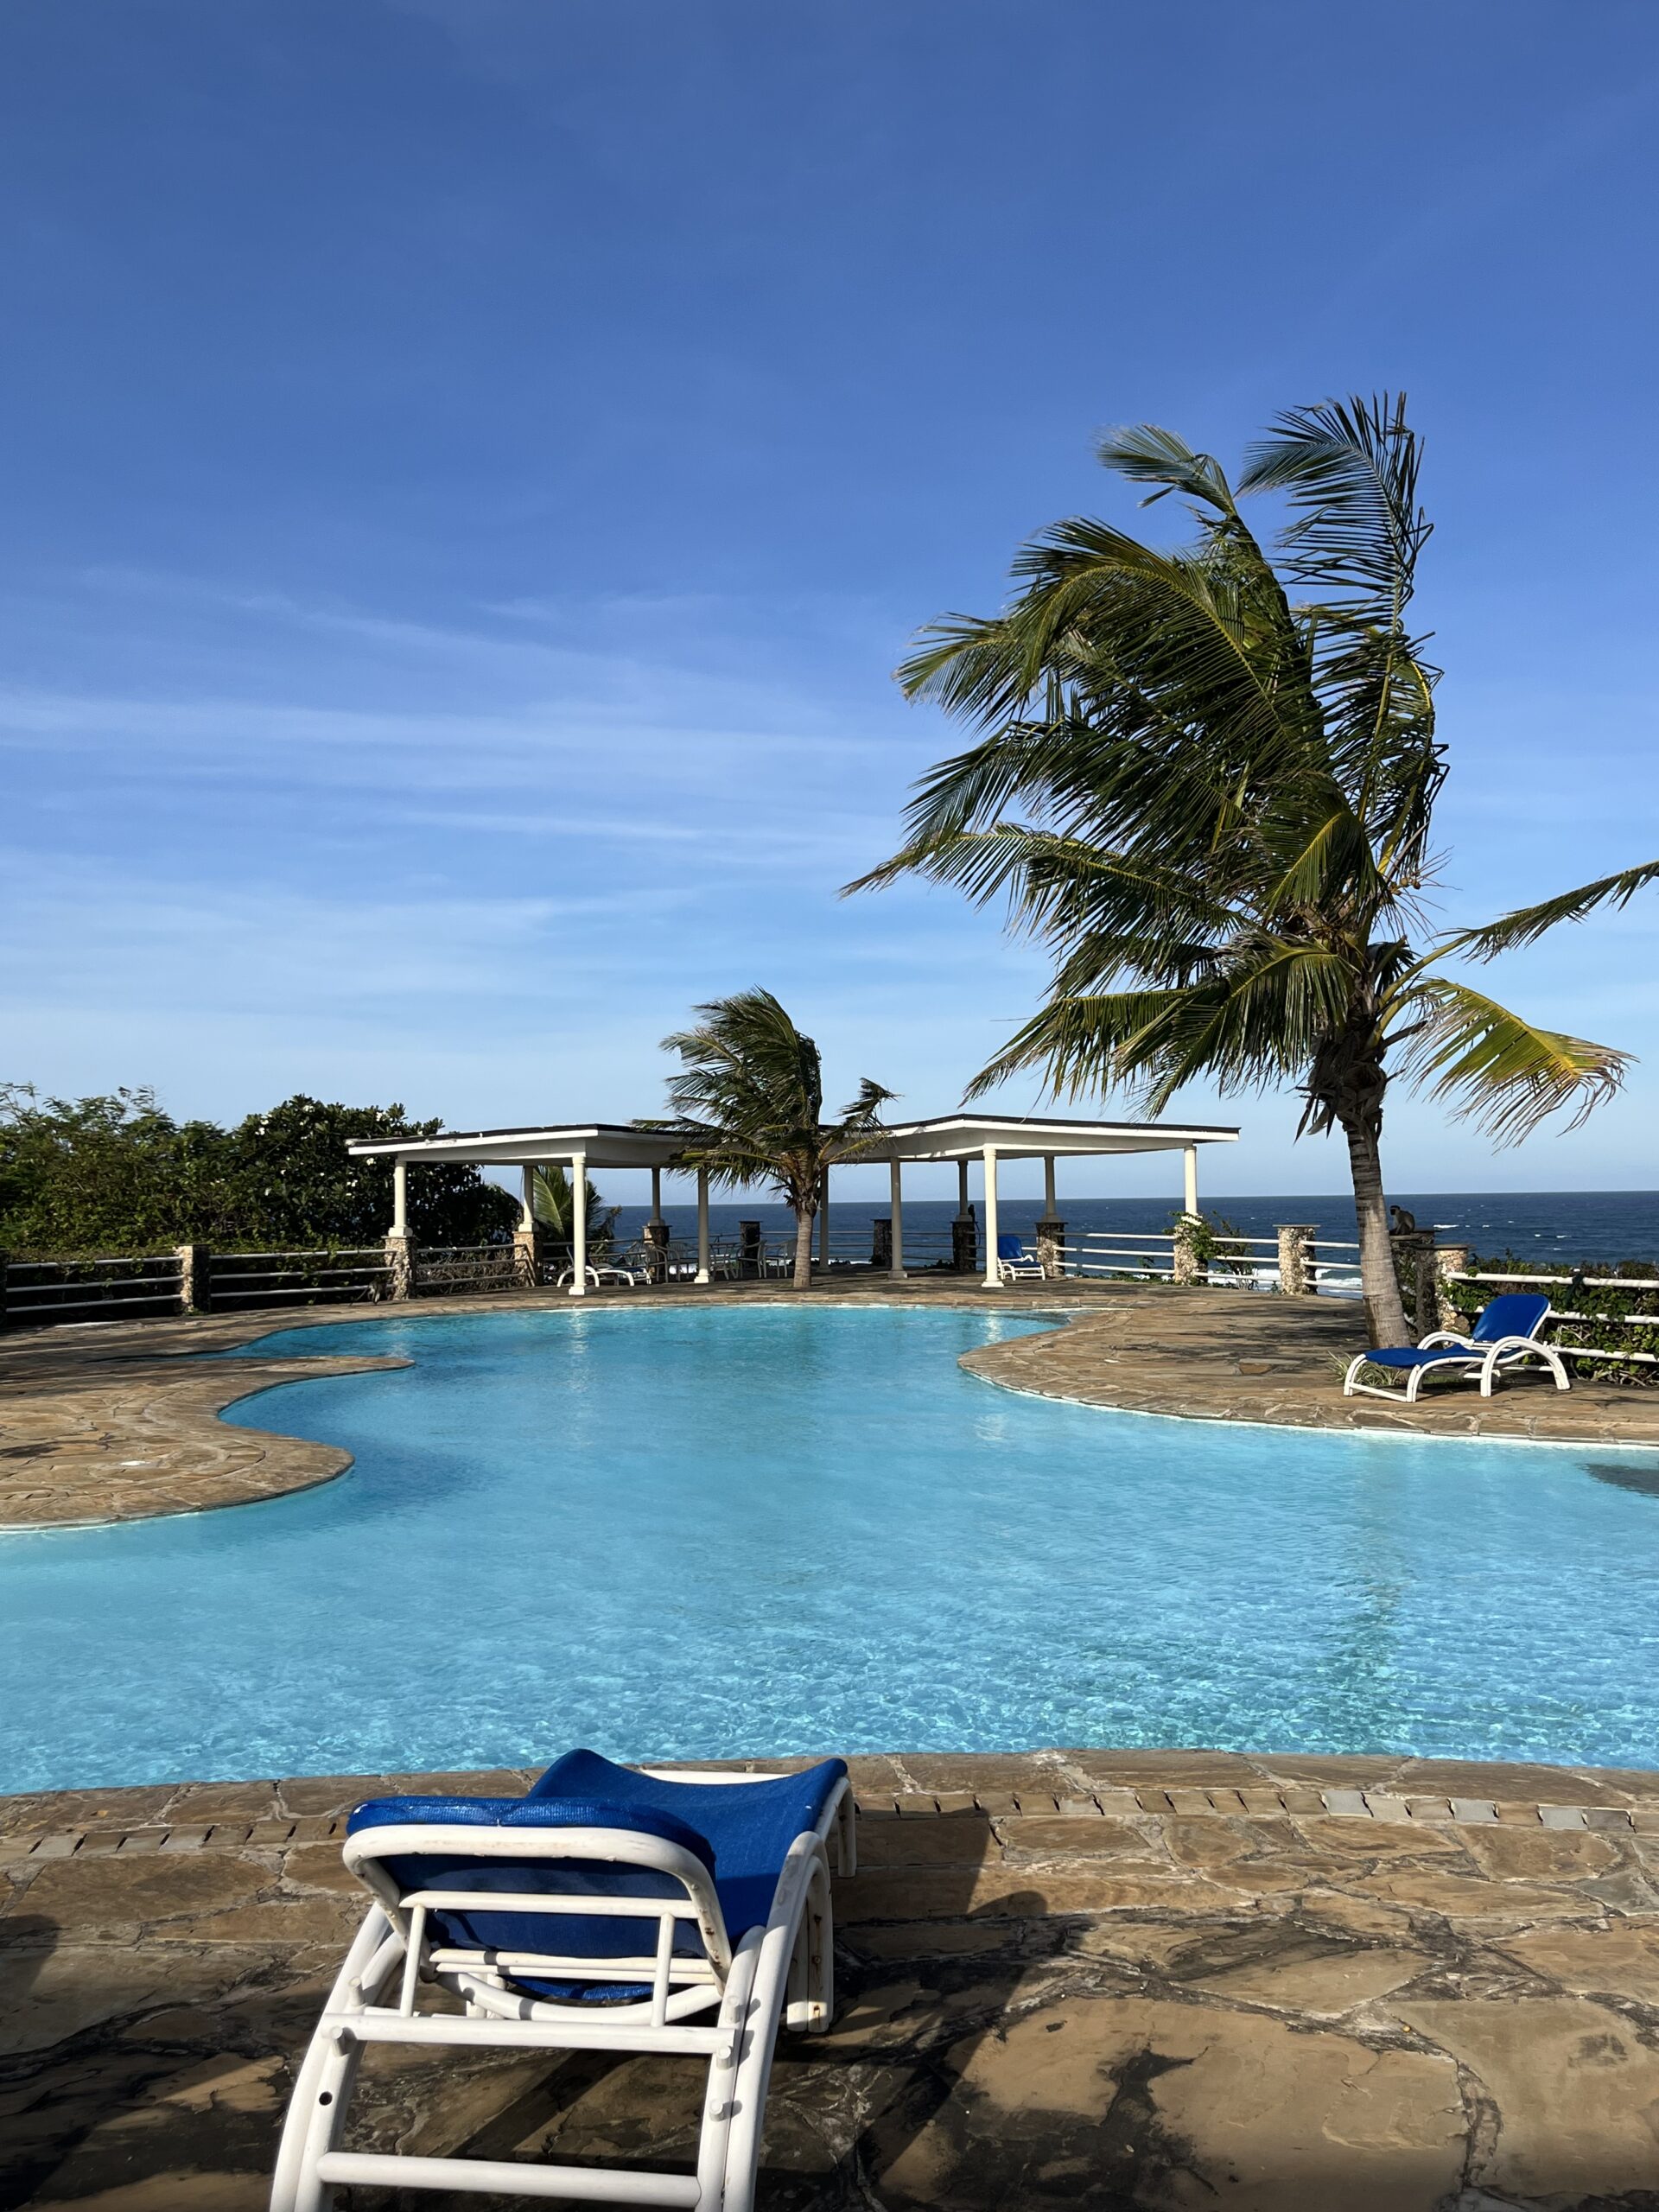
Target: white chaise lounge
(608, 1909)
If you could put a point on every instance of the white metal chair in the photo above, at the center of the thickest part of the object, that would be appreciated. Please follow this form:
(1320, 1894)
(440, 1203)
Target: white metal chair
(609, 1909)
(1505, 1337)
(1014, 1263)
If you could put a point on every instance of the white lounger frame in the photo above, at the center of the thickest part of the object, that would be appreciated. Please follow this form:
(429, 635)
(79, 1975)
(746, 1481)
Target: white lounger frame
(782, 1975)
(1497, 1357)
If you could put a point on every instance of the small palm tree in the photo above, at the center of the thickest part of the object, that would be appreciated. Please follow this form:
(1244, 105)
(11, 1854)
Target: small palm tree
(1212, 801)
(749, 1098)
(550, 1201)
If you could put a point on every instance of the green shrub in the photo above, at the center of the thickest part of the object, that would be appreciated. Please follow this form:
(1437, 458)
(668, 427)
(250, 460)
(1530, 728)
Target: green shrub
(1599, 1300)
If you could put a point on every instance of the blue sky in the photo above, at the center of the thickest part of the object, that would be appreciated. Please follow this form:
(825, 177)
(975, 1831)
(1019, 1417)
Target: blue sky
(471, 466)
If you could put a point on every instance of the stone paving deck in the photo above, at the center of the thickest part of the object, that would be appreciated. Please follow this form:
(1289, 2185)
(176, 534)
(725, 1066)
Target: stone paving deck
(1079, 1978)
(112, 1421)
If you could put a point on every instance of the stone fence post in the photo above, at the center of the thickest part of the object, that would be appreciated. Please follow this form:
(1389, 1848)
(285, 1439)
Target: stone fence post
(400, 1268)
(1189, 1269)
(1050, 1239)
(1297, 1256)
(5, 1261)
(1450, 1259)
(881, 1242)
(527, 1258)
(1420, 1285)
(195, 1279)
(654, 1236)
(964, 1243)
(748, 1248)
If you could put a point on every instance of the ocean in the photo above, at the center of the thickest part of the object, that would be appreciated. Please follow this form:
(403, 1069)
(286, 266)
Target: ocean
(1597, 1226)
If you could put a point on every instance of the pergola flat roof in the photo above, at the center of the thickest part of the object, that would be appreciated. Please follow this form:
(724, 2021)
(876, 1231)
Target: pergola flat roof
(604, 1144)
(945, 1136)
(1026, 1136)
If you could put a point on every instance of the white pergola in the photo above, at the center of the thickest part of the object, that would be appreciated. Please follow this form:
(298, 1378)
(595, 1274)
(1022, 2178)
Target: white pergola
(994, 1138)
(989, 1138)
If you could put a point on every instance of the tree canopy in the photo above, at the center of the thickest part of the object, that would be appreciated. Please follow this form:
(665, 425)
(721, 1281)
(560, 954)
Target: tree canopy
(115, 1173)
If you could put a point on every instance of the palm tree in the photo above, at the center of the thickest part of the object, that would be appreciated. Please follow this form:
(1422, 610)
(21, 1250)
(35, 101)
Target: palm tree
(1211, 802)
(750, 1099)
(551, 1202)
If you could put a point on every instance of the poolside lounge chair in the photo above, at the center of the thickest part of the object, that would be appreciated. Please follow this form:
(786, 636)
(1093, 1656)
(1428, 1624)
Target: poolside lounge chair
(608, 1909)
(1505, 1336)
(1014, 1263)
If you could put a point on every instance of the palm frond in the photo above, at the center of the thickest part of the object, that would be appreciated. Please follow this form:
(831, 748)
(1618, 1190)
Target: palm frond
(1526, 924)
(1349, 469)
(1497, 1070)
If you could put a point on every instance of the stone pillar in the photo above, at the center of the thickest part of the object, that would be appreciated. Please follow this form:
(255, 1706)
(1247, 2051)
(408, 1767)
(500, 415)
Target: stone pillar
(896, 1222)
(748, 1248)
(655, 1237)
(527, 1257)
(400, 1268)
(1451, 1259)
(1050, 1236)
(5, 1261)
(195, 1279)
(1420, 1286)
(1188, 1266)
(965, 1242)
(1297, 1255)
(881, 1242)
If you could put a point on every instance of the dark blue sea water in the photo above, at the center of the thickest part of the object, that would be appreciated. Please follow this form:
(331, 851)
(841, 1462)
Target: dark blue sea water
(1570, 1226)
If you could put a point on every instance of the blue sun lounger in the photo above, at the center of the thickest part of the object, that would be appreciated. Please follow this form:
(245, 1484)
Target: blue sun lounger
(608, 1909)
(1505, 1337)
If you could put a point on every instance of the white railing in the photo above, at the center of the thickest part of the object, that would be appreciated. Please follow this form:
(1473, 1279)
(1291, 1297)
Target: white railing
(1582, 1281)
(242, 1279)
(38, 1290)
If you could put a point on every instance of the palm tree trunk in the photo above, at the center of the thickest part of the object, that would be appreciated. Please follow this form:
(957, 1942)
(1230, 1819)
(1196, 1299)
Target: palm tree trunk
(1385, 1312)
(803, 1247)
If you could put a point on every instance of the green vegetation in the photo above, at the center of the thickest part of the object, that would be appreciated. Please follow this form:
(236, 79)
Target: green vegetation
(749, 1100)
(1603, 1304)
(1211, 800)
(116, 1175)
(549, 1199)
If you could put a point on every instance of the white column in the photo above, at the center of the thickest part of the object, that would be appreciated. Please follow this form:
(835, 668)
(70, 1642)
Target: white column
(1048, 1187)
(579, 1226)
(993, 1280)
(823, 1224)
(896, 1265)
(400, 1196)
(527, 1198)
(1191, 1161)
(703, 1224)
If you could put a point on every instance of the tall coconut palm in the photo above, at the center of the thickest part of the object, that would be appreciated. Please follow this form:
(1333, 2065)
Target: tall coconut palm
(750, 1099)
(1205, 782)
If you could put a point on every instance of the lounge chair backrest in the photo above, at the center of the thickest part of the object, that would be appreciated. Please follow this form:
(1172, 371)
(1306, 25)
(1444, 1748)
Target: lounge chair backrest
(1010, 1248)
(403, 1847)
(1518, 1314)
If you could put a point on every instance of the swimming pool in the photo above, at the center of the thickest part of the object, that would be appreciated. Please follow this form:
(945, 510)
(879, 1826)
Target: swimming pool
(709, 1532)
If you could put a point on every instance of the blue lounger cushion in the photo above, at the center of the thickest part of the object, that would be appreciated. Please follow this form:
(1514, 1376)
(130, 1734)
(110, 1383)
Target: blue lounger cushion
(749, 1825)
(742, 1831)
(1517, 1313)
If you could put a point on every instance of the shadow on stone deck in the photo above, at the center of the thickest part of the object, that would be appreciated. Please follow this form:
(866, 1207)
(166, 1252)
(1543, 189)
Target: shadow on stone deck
(1092, 1978)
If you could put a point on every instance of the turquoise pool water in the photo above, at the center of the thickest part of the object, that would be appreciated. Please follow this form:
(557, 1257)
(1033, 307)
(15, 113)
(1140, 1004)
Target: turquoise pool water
(774, 1529)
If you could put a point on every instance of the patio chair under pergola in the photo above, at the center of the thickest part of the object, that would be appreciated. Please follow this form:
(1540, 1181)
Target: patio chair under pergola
(991, 1139)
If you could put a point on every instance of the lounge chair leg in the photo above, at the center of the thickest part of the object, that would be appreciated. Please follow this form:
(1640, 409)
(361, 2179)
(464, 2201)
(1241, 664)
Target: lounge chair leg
(327, 2074)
